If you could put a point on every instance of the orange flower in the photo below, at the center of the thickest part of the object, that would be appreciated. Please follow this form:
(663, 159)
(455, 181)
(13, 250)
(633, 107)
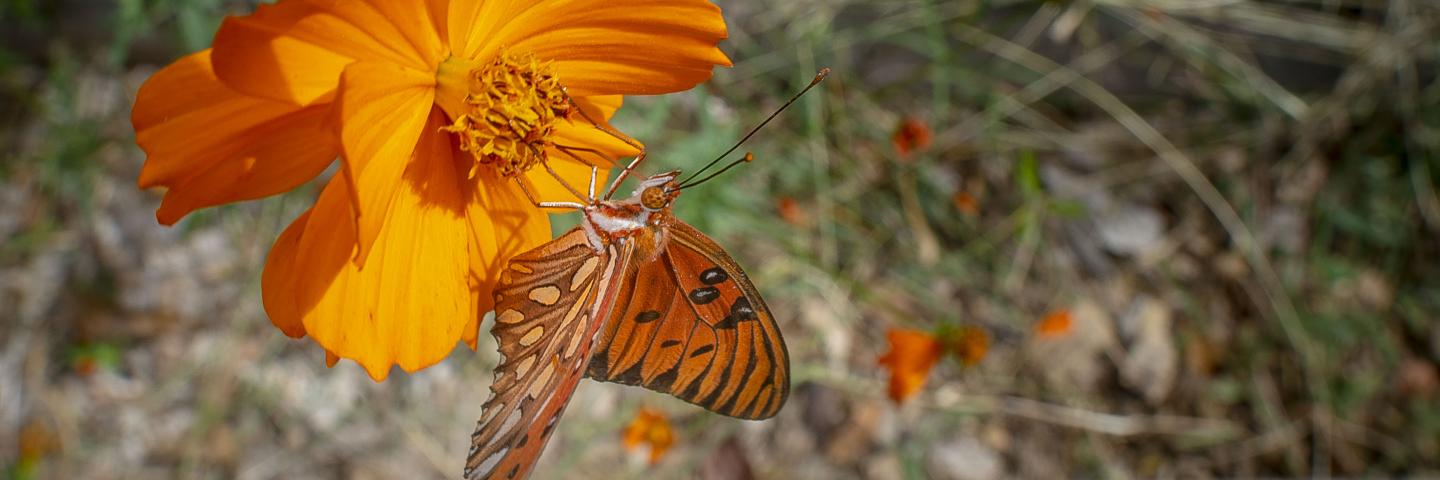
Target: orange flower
(790, 211)
(34, 443)
(912, 135)
(1056, 324)
(966, 203)
(912, 354)
(438, 110)
(649, 427)
(969, 344)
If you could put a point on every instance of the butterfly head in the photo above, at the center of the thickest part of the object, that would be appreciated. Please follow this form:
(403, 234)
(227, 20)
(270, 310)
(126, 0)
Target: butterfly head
(657, 191)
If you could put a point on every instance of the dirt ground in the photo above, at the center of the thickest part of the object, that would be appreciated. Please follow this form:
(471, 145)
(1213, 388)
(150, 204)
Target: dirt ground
(1234, 202)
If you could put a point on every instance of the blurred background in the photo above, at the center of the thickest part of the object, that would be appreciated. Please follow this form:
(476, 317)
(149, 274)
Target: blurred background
(1201, 237)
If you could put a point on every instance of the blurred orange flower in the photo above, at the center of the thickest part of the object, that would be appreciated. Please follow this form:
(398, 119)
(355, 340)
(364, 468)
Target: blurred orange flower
(970, 344)
(436, 109)
(34, 443)
(912, 354)
(652, 429)
(966, 203)
(911, 136)
(1056, 324)
(790, 211)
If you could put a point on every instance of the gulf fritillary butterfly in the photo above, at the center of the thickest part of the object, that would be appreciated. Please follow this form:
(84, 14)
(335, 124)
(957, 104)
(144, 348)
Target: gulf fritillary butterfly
(634, 296)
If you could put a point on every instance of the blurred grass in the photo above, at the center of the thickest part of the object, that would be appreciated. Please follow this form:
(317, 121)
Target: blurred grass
(1288, 148)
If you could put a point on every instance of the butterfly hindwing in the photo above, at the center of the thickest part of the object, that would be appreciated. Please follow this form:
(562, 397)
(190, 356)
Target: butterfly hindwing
(549, 304)
(690, 324)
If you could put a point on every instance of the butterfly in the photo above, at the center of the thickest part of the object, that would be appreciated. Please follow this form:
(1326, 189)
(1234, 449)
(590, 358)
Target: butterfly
(634, 296)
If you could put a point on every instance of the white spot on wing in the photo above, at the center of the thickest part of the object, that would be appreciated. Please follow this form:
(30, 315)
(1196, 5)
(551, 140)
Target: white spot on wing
(582, 274)
(524, 366)
(546, 295)
(542, 379)
(490, 462)
(510, 316)
(532, 336)
(505, 428)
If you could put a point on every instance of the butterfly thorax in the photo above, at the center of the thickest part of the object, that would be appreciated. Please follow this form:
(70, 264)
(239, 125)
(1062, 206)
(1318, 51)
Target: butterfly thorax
(644, 218)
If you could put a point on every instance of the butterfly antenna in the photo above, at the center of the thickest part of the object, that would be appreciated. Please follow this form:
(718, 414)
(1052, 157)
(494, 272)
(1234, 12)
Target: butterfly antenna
(749, 157)
(815, 81)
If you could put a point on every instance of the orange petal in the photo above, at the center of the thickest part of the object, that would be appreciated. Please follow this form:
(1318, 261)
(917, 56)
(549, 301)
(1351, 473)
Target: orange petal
(966, 203)
(601, 48)
(912, 135)
(210, 145)
(652, 428)
(601, 106)
(583, 142)
(503, 223)
(411, 300)
(277, 284)
(294, 51)
(970, 343)
(912, 354)
(471, 24)
(579, 133)
(576, 174)
(593, 143)
(1056, 324)
(381, 111)
(790, 211)
(414, 21)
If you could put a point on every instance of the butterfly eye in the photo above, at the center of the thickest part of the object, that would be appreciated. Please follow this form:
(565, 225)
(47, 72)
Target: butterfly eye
(653, 198)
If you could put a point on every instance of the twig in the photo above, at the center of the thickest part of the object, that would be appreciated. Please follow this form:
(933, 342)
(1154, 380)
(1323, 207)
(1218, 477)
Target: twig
(1271, 441)
(1055, 414)
(1089, 420)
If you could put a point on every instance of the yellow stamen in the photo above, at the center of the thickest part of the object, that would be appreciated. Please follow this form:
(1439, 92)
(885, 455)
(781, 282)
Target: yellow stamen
(504, 110)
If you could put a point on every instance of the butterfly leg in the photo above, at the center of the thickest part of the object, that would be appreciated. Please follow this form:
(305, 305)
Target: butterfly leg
(594, 171)
(624, 173)
(628, 141)
(563, 183)
(539, 204)
(570, 151)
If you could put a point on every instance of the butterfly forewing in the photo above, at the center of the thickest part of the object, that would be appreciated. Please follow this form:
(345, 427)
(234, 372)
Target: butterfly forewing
(690, 324)
(549, 304)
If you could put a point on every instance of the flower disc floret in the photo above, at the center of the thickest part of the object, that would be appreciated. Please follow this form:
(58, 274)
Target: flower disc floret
(509, 113)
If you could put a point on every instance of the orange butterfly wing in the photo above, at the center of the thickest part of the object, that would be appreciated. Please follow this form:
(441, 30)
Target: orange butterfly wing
(690, 324)
(550, 303)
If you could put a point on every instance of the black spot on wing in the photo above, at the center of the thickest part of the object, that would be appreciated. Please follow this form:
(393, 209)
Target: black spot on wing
(549, 427)
(704, 295)
(702, 350)
(513, 470)
(669, 343)
(713, 276)
(647, 316)
(742, 310)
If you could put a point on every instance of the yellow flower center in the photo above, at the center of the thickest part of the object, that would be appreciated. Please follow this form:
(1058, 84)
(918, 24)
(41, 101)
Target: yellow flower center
(504, 110)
